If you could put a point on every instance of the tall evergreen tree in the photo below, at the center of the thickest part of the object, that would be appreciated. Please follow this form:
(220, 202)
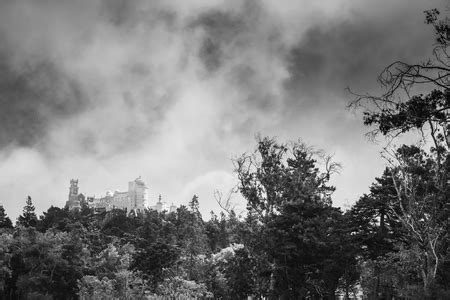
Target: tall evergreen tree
(28, 217)
(195, 239)
(5, 221)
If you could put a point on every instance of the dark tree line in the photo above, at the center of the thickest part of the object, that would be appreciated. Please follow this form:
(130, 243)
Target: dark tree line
(292, 244)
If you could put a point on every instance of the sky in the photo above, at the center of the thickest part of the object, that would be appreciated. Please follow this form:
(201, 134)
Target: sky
(172, 91)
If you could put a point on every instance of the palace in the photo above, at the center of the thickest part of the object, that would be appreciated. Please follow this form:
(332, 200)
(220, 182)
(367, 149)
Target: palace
(135, 199)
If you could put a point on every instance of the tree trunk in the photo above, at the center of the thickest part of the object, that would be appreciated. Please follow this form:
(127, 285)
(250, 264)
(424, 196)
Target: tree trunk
(347, 294)
(428, 274)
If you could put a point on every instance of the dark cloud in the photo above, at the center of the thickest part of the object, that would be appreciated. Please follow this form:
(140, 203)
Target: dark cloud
(119, 12)
(226, 31)
(80, 77)
(351, 52)
(131, 14)
(240, 45)
(221, 29)
(32, 98)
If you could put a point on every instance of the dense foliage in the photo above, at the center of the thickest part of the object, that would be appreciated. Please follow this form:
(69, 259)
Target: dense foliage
(292, 244)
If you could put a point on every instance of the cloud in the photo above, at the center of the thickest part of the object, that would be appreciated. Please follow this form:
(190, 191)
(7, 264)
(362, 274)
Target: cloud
(105, 91)
(352, 51)
(32, 99)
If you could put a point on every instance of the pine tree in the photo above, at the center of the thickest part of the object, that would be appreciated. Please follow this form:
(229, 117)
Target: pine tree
(194, 206)
(195, 239)
(28, 217)
(5, 221)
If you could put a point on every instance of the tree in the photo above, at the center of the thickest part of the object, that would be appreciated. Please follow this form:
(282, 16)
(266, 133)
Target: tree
(421, 207)
(54, 217)
(372, 220)
(179, 288)
(5, 221)
(213, 234)
(417, 97)
(375, 231)
(118, 224)
(114, 276)
(28, 217)
(153, 259)
(232, 274)
(397, 110)
(192, 238)
(275, 175)
(43, 265)
(291, 198)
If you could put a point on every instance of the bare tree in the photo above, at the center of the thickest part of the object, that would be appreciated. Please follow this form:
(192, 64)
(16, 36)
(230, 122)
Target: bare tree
(420, 207)
(225, 202)
(403, 106)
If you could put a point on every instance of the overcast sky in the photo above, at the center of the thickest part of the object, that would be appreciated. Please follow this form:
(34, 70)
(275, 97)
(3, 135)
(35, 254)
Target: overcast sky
(105, 91)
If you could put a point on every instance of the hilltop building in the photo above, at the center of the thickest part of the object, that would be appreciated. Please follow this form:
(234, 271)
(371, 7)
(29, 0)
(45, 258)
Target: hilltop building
(75, 199)
(135, 199)
(162, 206)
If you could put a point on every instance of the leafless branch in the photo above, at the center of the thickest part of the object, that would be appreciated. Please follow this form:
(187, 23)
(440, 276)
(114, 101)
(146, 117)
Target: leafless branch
(225, 202)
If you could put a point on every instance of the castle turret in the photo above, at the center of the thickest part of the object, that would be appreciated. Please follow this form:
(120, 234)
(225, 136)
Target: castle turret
(159, 205)
(137, 193)
(73, 201)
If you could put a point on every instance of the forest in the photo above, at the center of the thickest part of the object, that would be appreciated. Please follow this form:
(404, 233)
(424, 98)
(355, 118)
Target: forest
(291, 243)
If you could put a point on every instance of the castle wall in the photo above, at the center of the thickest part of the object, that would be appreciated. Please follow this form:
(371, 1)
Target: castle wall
(135, 199)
